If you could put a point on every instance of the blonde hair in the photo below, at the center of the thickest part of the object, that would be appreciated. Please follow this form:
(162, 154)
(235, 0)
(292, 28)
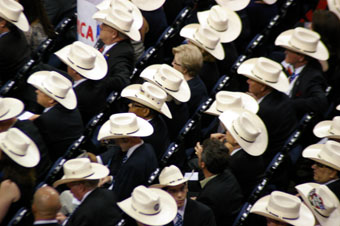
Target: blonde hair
(189, 57)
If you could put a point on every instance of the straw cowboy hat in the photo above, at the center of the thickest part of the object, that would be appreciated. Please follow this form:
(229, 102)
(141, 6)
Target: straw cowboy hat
(125, 125)
(334, 6)
(81, 169)
(149, 95)
(328, 128)
(12, 11)
(222, 20)
(327, 154)
(10, 108)
(205, 38)
(247, 129)
(84, 59)
(322, 201)
(55, 86)
(265, 71)
(119, 18)
(19, 147)
(169, 79)
(129, 6)
(226, 99)
(150, 206)
(170, 176)
(234, 5)
(304, 41)
(284, 207)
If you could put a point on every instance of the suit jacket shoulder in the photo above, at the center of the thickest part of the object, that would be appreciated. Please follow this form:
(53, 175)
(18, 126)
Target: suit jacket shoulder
(198, 214)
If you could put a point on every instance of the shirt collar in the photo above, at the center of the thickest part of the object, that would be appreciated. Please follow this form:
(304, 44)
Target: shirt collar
(45, 222)
(133, 148)
(235, 151)
(108, 47)
(206, 180)
(78, 82)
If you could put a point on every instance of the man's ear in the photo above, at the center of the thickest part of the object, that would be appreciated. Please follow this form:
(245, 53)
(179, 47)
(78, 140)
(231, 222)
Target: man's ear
(145, 112)
(52, 101)
(201, 164)
(114, 34)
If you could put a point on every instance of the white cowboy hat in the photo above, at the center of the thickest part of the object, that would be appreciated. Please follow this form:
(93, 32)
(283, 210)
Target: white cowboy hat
(247, 129)
(55, 86)
(148, 5)
(12, 11)
(205, 38)
(119, 18)
(226, 99)
(125, 125)
(132, 8)
(328, 128)
(170, 176)
(10, 108)
(327, 154)
(269, 2)
(149, 95)
(322, 201)
(19, 147)
(284, 207)
(338, 107)
(80, 169)
(169, 79)
(150, 206)
(222, 20)
(305, 41)
(234, 5)
(84, 59)
(265, 71)
(334, 6)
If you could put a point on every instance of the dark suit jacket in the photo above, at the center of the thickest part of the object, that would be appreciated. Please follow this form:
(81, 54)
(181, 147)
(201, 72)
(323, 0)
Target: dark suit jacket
(199, 94)
(99, 208)
(197, 214)
(335, 188)
(209, 74)
(180, 115)
(59, 128)
(223, 195)
(308, 93)
(277, 113)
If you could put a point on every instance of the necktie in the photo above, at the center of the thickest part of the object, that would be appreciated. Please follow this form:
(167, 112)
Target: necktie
(179, 221)
(292, 77)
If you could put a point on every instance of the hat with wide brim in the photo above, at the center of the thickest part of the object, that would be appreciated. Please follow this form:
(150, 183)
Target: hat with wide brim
(55, 86)
(170, 176)
(280, 81)
(84, 59)
(19, 147)
(125, 125)
(317, 205)
(234, 5)
(334, 6)
(231, 24)
(246, 102)
(304, 41)
(12, 11)
(247, 129)
(328, 128)
(162, 75)
(136, 93)
(305, 216)
(205, 38)
(162, 212)
(10, 108)
(137, 15)
(82, 169)
(148, 5)
(269, 2)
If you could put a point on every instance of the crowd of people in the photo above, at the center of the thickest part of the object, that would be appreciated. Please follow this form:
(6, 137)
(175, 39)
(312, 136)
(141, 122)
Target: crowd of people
(225, 156)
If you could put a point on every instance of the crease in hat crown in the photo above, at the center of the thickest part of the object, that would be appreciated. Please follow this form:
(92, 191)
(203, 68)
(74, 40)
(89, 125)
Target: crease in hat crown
(330, 152)
(168, 78)
(145, 201)
(218, 19)
(78, 168)
(284, 206)
(267, 70)
(15, 142)
(123, 124)
(305, 40)
(226, 99)
(57, 85)
(155, 95)
(245, 128)
(171, 175)
(81, 56)
(322, 200)
(206, 37)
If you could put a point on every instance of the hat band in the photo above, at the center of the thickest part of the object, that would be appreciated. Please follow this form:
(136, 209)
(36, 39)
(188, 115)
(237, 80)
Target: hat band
(79, 66)
(249, 141)
(173, 181)
(252, 71)
(147, 214)
(281, 217)
(4, 113)
(202, 43)
(119, 134)
(172, 90)
(308, 51)
(52, 93)
(5, 146)
(216, 29)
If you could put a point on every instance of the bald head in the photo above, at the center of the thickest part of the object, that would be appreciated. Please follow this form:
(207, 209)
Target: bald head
(46, 203)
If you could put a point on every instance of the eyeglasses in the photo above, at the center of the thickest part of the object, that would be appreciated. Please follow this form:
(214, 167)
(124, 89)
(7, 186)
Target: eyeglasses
(175, 63)
(320, 165)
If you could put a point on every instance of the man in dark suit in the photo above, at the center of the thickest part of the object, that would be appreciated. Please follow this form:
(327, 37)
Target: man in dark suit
(97, 205)
(189, 212)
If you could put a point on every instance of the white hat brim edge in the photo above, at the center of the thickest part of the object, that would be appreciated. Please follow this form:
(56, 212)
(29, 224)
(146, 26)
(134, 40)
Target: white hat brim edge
(149, 5)
(233, 5)
(321, 130)
(22, 22)
(313, 151)
(15, 109)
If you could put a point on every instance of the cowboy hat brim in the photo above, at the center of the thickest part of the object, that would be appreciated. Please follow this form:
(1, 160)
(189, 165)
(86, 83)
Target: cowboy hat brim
(173, 183)
(36, 80)
(96, 73)
(182, 95)
(321, 130)
(99, 170)
(333, 6)
(132, 92)
(306, 218)
(166, 215)
(134, 33)
(234, 25)
(246, 69)
(333, 219)
(189, 32)
(313, 152)
(233, 5)
(15, 107)
(22, 22)
(149, 5)
(284, 38)
(29, 160)
(249, 103)
(145, 129)
(269, 2)
(255, 148)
